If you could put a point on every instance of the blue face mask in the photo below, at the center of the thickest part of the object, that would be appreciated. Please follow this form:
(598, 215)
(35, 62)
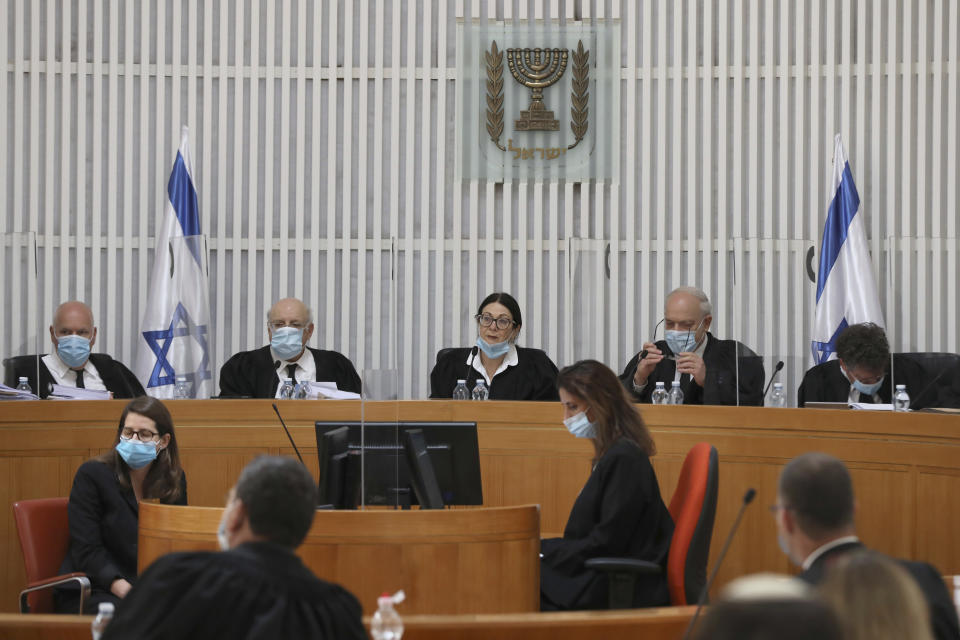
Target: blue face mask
(287, 342)
(681, 341)
(868, 389)
(137, 454)
(73, 350)
(580, 426)
(493, 350)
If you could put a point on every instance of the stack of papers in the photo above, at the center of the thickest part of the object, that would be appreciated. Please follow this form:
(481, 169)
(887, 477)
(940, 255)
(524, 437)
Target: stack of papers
(61, 392)
(328, 390)
(866, 406)
(9, 393)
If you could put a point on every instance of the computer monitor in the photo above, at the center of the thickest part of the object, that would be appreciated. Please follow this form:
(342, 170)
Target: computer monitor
(451, 447)
(339, 482)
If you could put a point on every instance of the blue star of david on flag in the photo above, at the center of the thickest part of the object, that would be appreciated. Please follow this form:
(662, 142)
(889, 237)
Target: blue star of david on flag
(181, 325)
(823, 350)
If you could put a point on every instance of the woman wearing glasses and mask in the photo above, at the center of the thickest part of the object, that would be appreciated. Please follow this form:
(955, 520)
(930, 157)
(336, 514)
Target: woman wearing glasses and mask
(143, 464)
(509, 372)
(619, 512)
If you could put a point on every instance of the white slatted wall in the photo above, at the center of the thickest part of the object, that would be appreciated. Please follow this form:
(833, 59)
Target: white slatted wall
(323, 142)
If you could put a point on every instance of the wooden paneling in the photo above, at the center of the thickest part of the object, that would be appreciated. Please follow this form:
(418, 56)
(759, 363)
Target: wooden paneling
(651, 624)
(453, 561)
(906, 468)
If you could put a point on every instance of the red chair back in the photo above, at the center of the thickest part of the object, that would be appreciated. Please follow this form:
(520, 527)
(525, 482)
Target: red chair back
(44, 538)
(693, 508)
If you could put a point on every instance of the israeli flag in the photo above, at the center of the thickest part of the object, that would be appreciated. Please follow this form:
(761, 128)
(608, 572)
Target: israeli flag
(846, 288)
(175, 330)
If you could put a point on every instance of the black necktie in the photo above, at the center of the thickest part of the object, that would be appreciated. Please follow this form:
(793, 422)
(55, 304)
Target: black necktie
(80, 384)
(292, 372)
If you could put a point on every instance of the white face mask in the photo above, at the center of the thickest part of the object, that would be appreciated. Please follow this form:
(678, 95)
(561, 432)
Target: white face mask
(580, 426)
(222, 538)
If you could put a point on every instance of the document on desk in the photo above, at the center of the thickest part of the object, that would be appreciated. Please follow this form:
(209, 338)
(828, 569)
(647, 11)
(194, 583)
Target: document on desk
(328, 390)
(9, 393)
(61, 392)
(866, 406)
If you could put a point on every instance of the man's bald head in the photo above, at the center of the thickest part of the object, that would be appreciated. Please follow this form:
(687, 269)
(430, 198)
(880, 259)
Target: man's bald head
(688, 309)
(73, 318)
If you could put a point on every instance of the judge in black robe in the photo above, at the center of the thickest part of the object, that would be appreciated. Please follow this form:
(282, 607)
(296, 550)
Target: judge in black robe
(619, 512)
(253, 374)
(257, 587)
(533, 377)
(117, 378)
(722, 368)
(827, 382)
(255, 590)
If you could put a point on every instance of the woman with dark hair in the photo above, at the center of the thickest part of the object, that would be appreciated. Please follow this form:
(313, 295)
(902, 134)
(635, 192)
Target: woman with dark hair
(510, 372)
(619, 511)
(143, 464)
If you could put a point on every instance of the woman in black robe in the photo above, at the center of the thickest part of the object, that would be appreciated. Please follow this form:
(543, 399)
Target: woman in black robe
(104, 503)
(619, 511)
(510, 372)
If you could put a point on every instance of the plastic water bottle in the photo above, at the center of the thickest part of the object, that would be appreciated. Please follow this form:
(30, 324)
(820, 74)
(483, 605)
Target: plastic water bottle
(480, 391)
(24, 385)
(460, 392)
(104, 616)
(182, 389)
(778, 398)
(901, 400)
(286, 389)
(660, 395)
(386, 623)
(676, 394)
(302, 390)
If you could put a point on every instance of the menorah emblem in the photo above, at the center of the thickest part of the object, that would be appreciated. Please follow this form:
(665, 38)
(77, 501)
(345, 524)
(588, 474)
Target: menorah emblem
(537, 69)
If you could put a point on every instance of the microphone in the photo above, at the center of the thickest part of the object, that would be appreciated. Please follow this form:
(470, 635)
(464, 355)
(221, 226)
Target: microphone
(473, 355)
(747, 499)
(645, 353)
(289, 437)
(773, 375)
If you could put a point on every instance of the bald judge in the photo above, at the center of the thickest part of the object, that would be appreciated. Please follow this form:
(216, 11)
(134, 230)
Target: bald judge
(258, 373)
(71, 364)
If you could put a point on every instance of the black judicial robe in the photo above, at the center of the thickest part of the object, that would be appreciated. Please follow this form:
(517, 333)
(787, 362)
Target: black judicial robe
(720, 358)
(619, 513)
(257, 590)
(116, 377)
(943, 614)
(252, 374)
(103, 519)
(826, 383)
(534, 377)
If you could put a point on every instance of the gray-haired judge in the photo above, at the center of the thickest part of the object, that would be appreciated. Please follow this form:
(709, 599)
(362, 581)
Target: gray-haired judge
(706, 367)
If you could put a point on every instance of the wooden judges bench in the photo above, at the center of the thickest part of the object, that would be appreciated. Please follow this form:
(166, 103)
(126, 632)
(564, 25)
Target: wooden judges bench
(906, 467)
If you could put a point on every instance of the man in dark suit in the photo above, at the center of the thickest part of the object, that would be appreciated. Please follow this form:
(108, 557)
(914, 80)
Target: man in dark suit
(71, 364)
(861, 371)
(814, 513)
(258, 373)
(708, 369)
(256, 587)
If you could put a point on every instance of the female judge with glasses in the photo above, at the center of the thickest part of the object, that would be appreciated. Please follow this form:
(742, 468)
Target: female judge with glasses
(143, 464)
(510, 372)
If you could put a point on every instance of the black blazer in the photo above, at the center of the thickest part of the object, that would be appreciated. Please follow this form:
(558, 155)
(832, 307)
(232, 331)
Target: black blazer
(534, 377)
(943, 615)
(720, 358)
(826, 383)
(618, 513)
(103, 526)
(116, 377)
(252, 374)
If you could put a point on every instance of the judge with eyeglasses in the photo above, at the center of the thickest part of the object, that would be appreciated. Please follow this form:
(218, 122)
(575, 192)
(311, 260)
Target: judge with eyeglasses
(260, 373)
(509, 372)
(143, 463)
(709, 370)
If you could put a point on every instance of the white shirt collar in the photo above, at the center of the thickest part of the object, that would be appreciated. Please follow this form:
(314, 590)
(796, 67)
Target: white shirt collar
(509, 360)
(62, 374)
(822, 549)
(306, 366)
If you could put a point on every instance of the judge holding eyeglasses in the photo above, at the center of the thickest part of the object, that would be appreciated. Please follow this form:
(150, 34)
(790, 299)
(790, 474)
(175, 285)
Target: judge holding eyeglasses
(706, 367)
(510, 372)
